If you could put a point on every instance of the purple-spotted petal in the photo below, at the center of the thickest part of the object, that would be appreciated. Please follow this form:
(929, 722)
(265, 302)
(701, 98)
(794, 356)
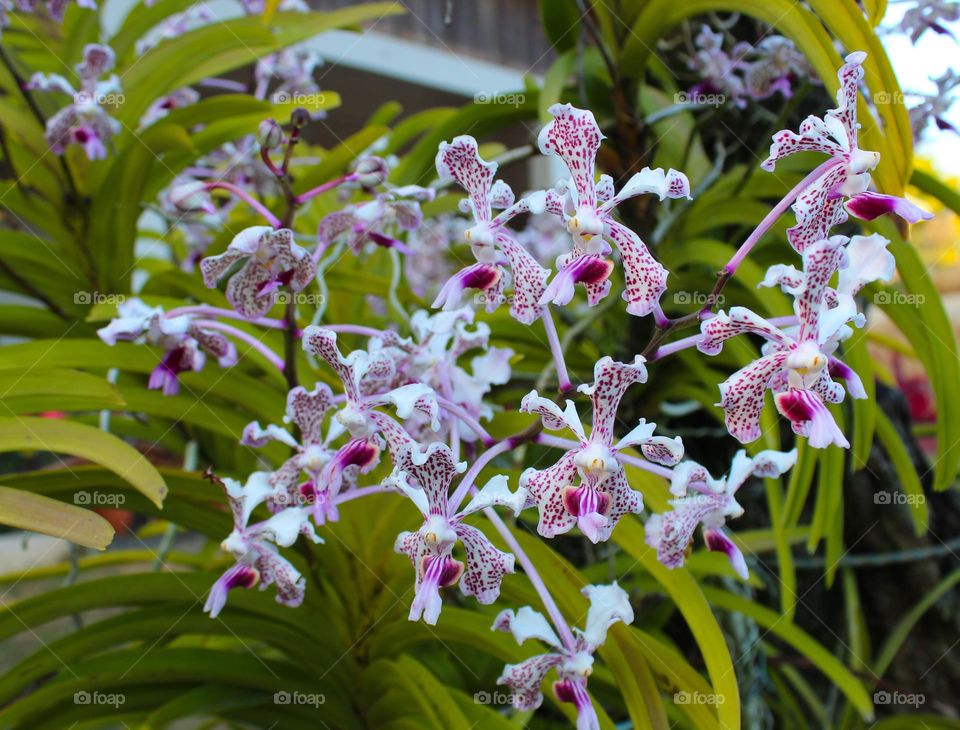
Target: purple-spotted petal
(741, 396)
(306, 409)
(574, 136)
(459, 160)
(529, 280)
(486, 565)
(610, 381)
(550, 414)
(545, 487)
(645, 277)
(432, 469)
(670, 533)
(661, 449)
(526, 677)
(740, 320)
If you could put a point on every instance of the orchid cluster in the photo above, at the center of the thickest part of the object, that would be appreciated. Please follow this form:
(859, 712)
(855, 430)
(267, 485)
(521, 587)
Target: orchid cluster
(773, 65)
(395, 414)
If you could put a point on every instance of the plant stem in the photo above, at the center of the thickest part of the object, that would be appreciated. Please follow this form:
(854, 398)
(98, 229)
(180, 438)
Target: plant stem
(246, 198)
(245, 337)
(475, 468)
(563, 379)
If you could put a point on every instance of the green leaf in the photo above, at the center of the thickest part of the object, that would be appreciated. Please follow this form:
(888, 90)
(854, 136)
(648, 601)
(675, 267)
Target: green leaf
(33, 512)
(55, 389)
(67, 437)
(893, 444)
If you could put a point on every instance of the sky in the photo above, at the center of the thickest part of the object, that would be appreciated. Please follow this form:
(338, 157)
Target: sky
(915, 65)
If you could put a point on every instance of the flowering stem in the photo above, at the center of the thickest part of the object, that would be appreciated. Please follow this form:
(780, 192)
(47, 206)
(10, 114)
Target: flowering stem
(563, 378)
(353, 329)
(461, 413)
(475, 468)
(320, 189)
(553, 611)
(265, 156)
(771, 217)
(361, 492)
(246, 198)
(245, 337)
(206, 310)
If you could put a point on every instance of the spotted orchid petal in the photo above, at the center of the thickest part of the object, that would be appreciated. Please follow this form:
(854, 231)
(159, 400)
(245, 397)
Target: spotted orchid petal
(819, 209)
(410, 399)
(669, 184)
(740, 320)
(256, 436)
(610, 382)
(689, 473)
(546, 488)
(529, 280)
(741, 396)
(460, 160)
(306, 410)
(645, 277)
(550, 414)
(671, 532)
(622, 499)
(525, 678)
(430, 469)
(574, 136)
(660, 449)
(486, 565)
(608, 605)
(767, 463)
(526, 624)
(820, 261)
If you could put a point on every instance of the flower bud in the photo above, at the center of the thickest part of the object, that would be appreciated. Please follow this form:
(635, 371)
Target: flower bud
(270, 134)
(299, 118)
(371, 171)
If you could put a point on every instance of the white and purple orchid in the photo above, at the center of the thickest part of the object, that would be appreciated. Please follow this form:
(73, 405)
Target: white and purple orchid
(702, 500)
(587, 209)
(327, 468)
(255, 546)
(799, 365)
(271, 260)
(84, 122)
(424, 474)
(573, 664)
(603, 495)
(846, 176)
(185, 338)
(376, 222)
(492, 245)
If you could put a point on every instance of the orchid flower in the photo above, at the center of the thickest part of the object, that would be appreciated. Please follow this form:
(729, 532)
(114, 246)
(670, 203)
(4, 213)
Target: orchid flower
(716, 68)
(255, 546)
(432, 358)
(587, 208)
(779, 64)
(820, 207)
(492, 246)
(608, 605)
(271, 259)
(292, 69)
(367, 379)
(424, 475)
(936, 105)
(186, 343)
(799, 365)
(327, 469)
(84, 122)
(925, 15)
(165, 104)
(703, 500)
(372, 222)
(603, 495)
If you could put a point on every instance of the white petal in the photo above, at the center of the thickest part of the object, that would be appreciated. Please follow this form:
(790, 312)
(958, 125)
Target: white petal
(496, 493)
(526, 624)
(608, 604)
